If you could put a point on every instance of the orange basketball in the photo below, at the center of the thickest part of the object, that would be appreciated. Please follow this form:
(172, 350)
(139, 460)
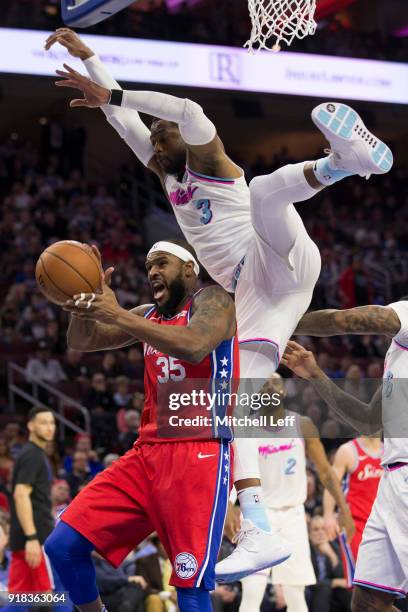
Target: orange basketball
(66, 268)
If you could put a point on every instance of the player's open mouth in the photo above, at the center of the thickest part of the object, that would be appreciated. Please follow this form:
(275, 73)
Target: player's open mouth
(158, 290)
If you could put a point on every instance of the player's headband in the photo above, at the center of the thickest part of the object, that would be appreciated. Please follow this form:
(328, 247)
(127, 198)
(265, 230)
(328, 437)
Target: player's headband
(177, 250)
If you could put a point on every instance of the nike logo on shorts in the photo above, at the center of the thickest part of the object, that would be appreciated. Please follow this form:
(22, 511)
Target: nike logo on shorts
(201, 456)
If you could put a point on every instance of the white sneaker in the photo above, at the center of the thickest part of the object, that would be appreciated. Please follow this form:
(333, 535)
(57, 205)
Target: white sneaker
(353, 147)
(256, 550)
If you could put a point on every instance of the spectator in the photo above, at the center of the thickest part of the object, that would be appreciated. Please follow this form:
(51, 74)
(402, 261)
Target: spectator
(5, 560)
(156, 570)
(312, 501)
(109, 459)
(74, 366)
(80, 475)
(99, 396)
(355, 285)
(52, 453)
(43, 367)
(122, 396)
(330, 591)
(354, 383)
(14, 437)
(133, 366)
(127, 439)
(120, 592)
(110, 367)
(83, 444)
(60, 497)
(6, 463)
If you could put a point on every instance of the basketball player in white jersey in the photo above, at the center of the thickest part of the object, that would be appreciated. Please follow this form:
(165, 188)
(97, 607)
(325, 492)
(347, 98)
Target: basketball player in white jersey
(381, 573)
(250, 239)
(282, 461)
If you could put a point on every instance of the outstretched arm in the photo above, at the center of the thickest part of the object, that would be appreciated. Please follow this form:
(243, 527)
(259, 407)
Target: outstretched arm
(204, 148)
(364, 418)
(328, 477)
(126, 122)
(342, 464)
(212, 322)
(361, 320)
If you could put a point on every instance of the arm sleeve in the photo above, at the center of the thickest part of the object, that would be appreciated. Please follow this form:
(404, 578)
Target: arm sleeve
(28, 468)
(195, 127)
(126, 122)
(401, 308)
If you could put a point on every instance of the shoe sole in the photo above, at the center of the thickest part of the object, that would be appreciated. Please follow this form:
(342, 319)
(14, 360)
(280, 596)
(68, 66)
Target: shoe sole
(345, 125)
(228, 578)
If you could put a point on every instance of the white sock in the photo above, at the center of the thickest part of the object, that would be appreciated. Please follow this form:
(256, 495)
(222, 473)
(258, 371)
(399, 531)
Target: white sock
(253, 507)
(326, 172)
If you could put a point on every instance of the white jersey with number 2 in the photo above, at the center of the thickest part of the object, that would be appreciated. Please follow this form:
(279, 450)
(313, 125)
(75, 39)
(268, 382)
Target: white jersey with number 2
(282, 463)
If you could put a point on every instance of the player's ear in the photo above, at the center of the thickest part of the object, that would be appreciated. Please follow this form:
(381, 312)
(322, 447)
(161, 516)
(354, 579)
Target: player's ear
(189, 269)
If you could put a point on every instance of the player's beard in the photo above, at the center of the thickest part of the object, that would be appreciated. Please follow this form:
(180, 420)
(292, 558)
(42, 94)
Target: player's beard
(177, 293)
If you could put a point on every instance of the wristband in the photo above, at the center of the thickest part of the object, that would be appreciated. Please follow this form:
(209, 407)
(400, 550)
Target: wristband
(32, 537)
(116, 97)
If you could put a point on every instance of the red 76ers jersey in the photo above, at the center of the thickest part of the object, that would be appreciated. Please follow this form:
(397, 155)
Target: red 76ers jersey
(214, 376)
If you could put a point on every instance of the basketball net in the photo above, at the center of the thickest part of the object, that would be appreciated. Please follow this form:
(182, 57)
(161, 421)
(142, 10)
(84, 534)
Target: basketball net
(279, 20)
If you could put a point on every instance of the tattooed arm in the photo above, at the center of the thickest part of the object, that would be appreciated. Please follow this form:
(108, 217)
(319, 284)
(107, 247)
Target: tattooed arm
(365, 418)
(213, 321)
(361, 320)
(88, 336)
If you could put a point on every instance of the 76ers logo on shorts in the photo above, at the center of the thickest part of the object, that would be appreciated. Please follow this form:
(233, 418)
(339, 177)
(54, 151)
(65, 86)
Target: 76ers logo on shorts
(185, 565)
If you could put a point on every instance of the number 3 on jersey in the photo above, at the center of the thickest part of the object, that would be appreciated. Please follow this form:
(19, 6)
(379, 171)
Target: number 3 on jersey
(171, 369)
(205, 207)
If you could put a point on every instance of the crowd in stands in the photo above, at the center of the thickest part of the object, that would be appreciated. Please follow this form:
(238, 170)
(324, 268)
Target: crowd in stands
(209, 22)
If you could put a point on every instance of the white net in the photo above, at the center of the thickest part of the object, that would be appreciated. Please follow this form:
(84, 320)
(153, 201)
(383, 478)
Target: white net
(274, 21)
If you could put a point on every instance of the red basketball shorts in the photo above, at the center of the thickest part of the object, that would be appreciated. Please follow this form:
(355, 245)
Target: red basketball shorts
(25, 579)
(178, 489)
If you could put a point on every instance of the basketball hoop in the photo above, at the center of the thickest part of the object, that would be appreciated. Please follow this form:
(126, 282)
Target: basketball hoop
(281, 20)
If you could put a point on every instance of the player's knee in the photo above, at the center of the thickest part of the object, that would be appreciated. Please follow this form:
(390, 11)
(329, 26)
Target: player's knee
(65, 543)
(52, 545)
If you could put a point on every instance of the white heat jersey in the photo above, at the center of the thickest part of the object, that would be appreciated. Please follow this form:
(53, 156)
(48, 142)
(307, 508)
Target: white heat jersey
(282, 463)
(395, 392)
(214, 215)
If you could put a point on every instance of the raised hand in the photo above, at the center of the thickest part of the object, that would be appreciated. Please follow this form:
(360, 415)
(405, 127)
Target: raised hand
(94, 94)
(71, 41)
(299, 360)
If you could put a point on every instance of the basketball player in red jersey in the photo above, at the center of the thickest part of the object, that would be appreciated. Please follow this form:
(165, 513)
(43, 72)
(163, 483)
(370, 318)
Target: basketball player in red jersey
(176, 486)
(360, 461)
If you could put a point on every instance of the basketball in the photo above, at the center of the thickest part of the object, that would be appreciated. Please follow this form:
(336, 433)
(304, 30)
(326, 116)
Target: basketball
(65, 269)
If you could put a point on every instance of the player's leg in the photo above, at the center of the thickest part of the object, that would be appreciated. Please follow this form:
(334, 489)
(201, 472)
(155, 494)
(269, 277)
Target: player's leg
(295, 598)
(190, 525)
(354, 151)
(380, 574)
(253, 591)
(370, 600)
(109, 515)
(71, 555)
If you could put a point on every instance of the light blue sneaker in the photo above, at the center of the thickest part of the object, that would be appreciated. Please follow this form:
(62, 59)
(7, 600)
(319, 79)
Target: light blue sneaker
(353, 147)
